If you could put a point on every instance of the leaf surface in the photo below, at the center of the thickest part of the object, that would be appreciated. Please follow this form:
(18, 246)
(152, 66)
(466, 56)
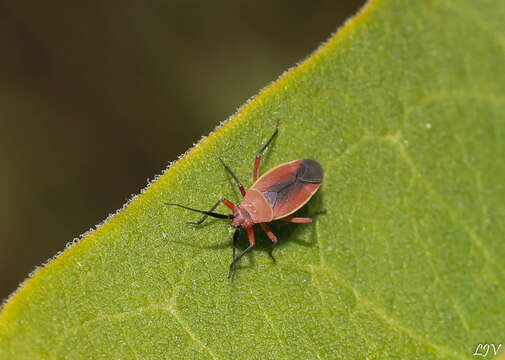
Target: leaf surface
(405, 110)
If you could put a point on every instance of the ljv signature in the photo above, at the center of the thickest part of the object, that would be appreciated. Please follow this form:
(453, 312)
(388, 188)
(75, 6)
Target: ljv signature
(483, 349)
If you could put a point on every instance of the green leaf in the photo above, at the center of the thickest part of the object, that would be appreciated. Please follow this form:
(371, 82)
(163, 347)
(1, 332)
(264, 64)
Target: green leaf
(405, 110)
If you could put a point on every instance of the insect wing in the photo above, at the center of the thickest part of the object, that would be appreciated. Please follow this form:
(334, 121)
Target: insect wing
(289, 186)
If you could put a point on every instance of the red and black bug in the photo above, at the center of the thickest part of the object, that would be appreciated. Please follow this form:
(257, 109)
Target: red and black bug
(274, 196)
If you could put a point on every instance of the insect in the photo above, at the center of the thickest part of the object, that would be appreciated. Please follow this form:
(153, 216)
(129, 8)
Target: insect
(274, 196)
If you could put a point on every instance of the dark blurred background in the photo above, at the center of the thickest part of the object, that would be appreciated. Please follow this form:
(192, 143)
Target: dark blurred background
(95, 98)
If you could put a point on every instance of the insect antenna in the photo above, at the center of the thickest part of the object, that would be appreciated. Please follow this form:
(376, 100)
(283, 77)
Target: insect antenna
(209, 213)
(271, 138)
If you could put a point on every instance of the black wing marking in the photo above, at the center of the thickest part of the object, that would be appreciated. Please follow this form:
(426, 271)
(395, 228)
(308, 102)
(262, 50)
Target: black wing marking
(310, 172)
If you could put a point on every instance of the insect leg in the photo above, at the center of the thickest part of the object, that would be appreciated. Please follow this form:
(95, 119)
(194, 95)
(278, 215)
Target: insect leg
(258, 156)
(297, 220)
(235, 240)
(240, 186)
(272, 237)
(269, 233)
(250, 234)
(210, 212)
